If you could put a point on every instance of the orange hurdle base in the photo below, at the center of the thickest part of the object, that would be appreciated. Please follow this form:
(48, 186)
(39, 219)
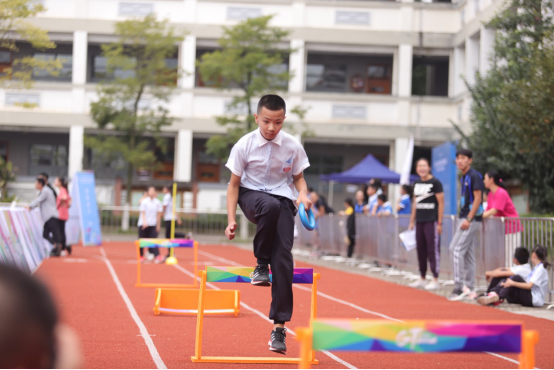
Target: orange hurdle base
(152, 285)
(251, 360)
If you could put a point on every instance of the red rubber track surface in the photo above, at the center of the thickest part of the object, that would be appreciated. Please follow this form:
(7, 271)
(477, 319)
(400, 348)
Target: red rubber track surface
(89, 301)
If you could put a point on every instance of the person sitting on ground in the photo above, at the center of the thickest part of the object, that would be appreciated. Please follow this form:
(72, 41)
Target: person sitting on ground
(529, 292)
(31, 336)
(404, 206)
(520, 267)
(383, 207)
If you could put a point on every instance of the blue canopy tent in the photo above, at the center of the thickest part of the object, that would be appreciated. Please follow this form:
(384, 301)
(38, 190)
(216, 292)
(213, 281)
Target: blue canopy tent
(369, 168)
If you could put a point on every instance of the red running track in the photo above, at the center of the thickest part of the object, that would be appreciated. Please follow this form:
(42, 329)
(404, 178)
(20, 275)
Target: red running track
(90, 301)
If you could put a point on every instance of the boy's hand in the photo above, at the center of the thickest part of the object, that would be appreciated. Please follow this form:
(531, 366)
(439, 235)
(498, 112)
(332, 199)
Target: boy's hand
(230, 231)
(305, 200)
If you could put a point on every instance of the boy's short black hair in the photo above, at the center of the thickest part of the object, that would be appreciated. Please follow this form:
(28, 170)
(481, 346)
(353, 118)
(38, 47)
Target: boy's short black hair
(468, 153)
(44, 174)
(521, 255)
(41, 181)
(272, 102)
(382, 197)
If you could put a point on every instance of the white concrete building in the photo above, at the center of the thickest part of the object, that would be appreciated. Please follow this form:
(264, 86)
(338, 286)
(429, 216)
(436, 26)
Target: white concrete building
(372, 73)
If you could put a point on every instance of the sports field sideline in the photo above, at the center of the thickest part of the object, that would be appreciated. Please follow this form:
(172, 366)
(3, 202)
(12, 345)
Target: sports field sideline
(95, 292)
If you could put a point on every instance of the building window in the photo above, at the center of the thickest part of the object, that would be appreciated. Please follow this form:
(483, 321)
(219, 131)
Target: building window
(207, 167)
(430, 76)
(65, 72)
(349, 73)
(48, 158)
(4, 150)
(100, 70)
(6, 60)
(324, 164)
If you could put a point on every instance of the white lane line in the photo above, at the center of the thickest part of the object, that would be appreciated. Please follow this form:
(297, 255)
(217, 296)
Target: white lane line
(143, 331)
(264, 317)
(345, 302)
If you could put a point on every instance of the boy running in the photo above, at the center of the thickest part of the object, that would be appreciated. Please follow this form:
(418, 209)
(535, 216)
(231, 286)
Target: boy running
(265, 164)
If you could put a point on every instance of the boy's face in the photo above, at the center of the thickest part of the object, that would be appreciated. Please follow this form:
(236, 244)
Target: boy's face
(270, 122)
(463, 162)
(380, 202)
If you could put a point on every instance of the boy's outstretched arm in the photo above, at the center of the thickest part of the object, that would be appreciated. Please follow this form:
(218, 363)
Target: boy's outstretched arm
(302, 187)
(232, 200)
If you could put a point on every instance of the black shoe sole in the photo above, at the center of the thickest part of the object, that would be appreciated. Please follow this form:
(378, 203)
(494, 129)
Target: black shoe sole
(277, 350)
(260, 283)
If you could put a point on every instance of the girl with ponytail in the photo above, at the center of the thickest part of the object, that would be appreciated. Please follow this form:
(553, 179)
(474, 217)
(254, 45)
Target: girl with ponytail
(499, 204)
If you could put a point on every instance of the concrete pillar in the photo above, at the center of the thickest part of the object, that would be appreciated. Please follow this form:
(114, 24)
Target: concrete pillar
(182, 170)
(457, 86)
(297, 66)
(405, 62)
(400, 148)
(187, 62)
(486, 45)
(471, 59)
(76, 150)
(79, 71)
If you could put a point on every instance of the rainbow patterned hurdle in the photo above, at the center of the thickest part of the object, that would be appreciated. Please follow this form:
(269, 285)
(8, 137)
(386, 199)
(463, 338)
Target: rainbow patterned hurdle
(416, 336)
(229, 274)
(166, 243)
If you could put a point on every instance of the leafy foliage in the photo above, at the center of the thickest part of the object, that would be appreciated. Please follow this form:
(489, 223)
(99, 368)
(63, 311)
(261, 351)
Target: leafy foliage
(7, 174)
(133, 105)
(249, 60)
(512, 110)
(14, 27)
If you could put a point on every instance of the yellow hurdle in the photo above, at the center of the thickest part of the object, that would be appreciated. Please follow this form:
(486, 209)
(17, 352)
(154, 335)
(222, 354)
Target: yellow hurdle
(185, 302)
(241, 274)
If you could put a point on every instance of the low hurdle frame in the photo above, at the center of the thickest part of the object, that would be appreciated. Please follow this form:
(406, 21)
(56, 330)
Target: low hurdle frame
(417, 337)
(218, 274)
(166, 243)
(175, 301)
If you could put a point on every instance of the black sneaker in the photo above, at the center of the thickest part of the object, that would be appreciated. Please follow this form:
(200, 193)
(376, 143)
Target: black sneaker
(277, 342)
(260, 276)
(69, 249)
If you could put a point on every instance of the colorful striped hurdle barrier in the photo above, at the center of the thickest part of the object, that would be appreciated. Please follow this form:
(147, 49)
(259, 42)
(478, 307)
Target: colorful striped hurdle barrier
(185, 302)
(417, 337)
(166, 243)
(234, 274)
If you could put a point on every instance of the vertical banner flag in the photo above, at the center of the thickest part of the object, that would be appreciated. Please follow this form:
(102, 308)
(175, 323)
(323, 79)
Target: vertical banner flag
(407, 168)
(84, 211)
(444, 168)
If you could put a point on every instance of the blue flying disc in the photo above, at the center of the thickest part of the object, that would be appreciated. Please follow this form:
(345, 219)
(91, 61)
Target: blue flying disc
(310, 225)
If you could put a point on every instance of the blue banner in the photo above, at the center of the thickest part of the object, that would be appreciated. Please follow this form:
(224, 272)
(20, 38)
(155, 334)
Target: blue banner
(84, 187)
(444, 168)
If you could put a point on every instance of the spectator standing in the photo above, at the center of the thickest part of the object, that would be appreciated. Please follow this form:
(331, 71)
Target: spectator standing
(530, 291)
(404, 206)
(383, 206)
(359, 206)
(167, 204)
(427, 215)
(150, 212)
(373, 191)
(463, 243)
(350, 225)
(63, 202)
(320, 205)
(500, 204)
(45, 176)
(46, 201)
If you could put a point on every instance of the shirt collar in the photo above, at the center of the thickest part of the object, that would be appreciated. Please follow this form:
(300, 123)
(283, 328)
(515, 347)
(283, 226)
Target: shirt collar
(262, 140)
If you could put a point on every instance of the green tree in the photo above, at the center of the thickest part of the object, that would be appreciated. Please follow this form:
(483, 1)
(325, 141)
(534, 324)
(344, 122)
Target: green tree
(13, 29)
(7, 174)
(511, 111)
(140, 74)
(249, 60)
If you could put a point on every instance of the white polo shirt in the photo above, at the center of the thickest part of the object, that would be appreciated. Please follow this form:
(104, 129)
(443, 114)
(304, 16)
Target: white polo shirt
(168, 204)
(268, 166)
(151, 208)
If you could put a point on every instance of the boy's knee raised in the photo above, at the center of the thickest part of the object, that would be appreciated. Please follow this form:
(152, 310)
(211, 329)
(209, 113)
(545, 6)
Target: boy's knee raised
(272, 208)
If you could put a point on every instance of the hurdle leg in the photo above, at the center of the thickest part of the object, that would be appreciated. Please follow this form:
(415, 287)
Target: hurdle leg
(200, 317)
(313, 314)
(195, 251)
(527, 355)
(138, 263)
(304, 335)
(158, 302)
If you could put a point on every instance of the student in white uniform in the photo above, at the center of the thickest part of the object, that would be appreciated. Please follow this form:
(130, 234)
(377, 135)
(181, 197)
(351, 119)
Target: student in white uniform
(520, 267)
(150, 213)
(529, 292)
